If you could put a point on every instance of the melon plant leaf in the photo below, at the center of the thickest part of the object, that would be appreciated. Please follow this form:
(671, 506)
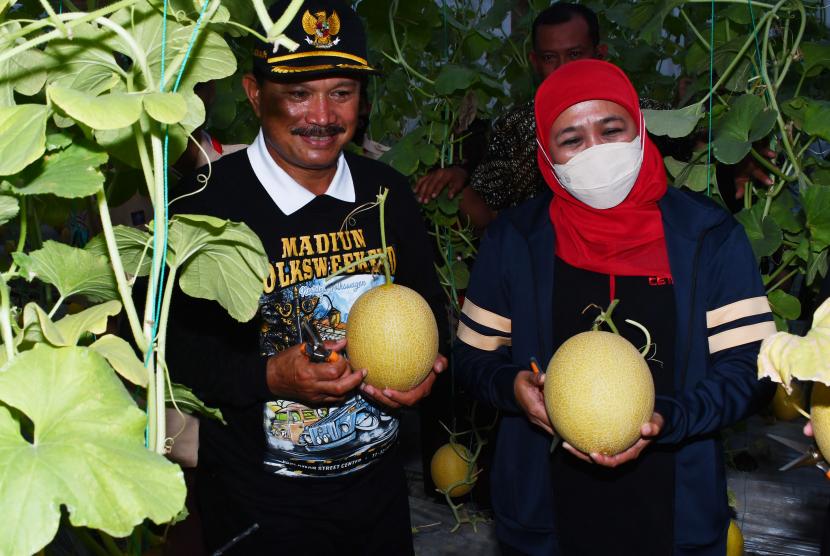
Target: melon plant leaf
(817, 266)
(188, 402)
(764, 234)
(690, 175)
(647, 17)
(134, 246)
(39, 328)
(84, 62)
(71, 270)
(24, 72)
(674, 123)
(811, 116)
(747, 121)
(121, 356)
(815, 57)
(784, 304)
(453, 78)
(785, 356)
(219, 260)
(816, 203)
(70, 173)
(22, 136)
(108, 111)
(785, 213)
(211, 57)
(167, 108)
(9, 207)
(87, 452)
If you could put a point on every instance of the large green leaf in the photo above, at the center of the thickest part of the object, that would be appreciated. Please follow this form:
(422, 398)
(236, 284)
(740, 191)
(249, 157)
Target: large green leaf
(211, 57)
(9, 207)
(87, 452)
(816, 203)
(134, 247)
(167, 108)
(22, 136)
(219, 260)
(84, 61)
(71, 270)
(647, 17)
(747, 121)
(70, 173)
(23, 72)
(674, 123)
(812, 116)
(453, 78)
(108, 111)
(122, 357)
(764, 234)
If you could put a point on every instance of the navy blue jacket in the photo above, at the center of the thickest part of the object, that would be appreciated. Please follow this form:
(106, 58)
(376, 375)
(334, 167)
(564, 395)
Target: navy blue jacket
(721, 315)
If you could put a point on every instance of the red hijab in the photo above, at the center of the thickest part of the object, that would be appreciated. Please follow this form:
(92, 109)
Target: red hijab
(625, 240)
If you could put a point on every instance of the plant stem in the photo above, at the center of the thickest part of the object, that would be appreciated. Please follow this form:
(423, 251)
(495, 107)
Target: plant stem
(386, 269)
(72, 19)
(5, 320)
(393, 8)
(782, 280)
(161, 346)
(694, 29)
(784, 263)
(24, 226)
(124, 289)
(758, 4)
(56, 21)
(796, 44)
(749, 41)
(769, 166)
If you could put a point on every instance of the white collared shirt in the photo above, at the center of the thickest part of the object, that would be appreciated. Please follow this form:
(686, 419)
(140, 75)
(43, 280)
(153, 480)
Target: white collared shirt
(289, 195)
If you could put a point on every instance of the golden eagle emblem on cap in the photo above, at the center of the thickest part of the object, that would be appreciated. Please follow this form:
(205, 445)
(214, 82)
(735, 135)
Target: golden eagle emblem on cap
(322, 28)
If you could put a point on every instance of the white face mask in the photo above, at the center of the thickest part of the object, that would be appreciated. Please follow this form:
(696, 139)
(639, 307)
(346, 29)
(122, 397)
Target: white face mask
(601, 176)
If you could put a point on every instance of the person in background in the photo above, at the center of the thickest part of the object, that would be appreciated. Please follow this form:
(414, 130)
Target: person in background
(507, 174)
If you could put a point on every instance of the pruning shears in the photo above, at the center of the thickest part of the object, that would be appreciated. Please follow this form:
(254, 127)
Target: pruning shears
(313, 346)
(810, 456)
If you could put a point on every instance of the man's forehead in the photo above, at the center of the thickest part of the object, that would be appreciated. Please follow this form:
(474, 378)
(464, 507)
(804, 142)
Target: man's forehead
(575, 30)
(321, 84)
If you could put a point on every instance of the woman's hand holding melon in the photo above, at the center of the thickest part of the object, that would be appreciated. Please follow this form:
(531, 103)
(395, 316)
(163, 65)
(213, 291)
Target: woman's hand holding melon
(527, 387)
(396, 398)
(647, 433)
(292, 376)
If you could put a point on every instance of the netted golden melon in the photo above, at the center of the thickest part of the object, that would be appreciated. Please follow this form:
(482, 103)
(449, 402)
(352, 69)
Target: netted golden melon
(392, 333)
(449, 465)
(820, 414)
(599, 392)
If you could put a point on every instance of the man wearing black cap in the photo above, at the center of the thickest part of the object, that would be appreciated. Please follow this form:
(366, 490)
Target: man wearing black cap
(307, 462)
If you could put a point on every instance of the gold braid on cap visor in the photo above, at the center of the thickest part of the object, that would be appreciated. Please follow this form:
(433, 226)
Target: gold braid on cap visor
(363, 64)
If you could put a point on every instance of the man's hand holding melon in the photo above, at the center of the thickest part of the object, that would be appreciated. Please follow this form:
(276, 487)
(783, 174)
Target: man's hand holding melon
(291, 375)
(396, 398)
(528, 389)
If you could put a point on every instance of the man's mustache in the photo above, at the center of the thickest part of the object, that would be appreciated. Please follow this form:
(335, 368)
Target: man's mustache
(318, 131)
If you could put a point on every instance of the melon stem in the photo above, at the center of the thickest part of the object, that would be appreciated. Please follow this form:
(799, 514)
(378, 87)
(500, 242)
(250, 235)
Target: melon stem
(643, 351)
(385, 259)
(605, 316)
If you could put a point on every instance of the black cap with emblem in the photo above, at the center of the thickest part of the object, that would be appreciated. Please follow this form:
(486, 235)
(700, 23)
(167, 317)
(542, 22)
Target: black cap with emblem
(331, 38)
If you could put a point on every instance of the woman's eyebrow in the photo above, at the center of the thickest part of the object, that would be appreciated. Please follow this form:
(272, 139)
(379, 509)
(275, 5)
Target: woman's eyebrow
(609, 119)
(568, 129)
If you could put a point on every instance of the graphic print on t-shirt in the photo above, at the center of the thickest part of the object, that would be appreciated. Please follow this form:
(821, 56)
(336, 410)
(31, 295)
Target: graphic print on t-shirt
(330, 440)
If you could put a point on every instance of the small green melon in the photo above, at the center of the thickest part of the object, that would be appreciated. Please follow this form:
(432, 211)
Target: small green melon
(392, 333)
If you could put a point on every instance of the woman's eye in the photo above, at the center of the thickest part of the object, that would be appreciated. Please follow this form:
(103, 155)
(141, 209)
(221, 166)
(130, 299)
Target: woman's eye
(569, 142)
(613, 131)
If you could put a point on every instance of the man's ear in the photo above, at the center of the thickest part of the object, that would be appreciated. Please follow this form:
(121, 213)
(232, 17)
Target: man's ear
(252, 91)
(602, 52)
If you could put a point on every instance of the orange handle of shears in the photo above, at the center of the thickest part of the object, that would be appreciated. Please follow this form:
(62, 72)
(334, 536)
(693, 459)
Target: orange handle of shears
(332, 357)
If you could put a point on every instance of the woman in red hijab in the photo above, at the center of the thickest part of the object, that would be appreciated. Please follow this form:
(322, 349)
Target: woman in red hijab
(679, 265)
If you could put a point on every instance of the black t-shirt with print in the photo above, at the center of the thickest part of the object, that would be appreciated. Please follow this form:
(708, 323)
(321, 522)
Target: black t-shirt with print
(267, 439)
